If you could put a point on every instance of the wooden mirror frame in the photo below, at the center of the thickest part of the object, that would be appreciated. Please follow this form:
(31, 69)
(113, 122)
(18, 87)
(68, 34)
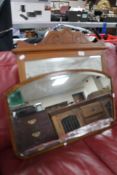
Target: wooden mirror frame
(54, 115)
(64, 43)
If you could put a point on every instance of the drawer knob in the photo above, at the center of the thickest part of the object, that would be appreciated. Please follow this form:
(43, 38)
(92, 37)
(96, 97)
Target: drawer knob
(32, 121)
(36, 134)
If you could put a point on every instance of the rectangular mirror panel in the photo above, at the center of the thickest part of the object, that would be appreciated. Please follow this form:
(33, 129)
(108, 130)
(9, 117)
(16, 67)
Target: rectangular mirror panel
(38, 67)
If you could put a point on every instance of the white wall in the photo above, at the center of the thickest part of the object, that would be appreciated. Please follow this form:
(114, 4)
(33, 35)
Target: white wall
(89, 86)
(93, 84)
(30, 7)
(105, 82)
(98, 83)
(51, 100)
(60, 98)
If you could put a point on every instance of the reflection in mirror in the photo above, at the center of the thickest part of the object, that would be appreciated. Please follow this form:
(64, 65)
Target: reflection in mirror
(59, 107)
(38, 67)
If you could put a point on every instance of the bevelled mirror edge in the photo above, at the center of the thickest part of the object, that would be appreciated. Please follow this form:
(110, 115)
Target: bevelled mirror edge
(61, 142)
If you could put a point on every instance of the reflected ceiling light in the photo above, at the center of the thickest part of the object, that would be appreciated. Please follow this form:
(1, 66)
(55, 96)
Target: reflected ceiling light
(59, 80)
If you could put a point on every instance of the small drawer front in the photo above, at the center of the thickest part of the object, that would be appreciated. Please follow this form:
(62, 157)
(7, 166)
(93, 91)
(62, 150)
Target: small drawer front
(34, 130)
(95, 118)
(92, 109)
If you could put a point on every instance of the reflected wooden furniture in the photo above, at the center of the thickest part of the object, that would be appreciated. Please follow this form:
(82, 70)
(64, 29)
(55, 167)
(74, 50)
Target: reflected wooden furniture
(84, 113)
(54, 107)
(99, 92)
(78, 97)
(32, 128)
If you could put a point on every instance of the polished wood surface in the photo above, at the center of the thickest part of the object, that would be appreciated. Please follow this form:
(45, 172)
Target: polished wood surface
(86, 112)
(60, 40)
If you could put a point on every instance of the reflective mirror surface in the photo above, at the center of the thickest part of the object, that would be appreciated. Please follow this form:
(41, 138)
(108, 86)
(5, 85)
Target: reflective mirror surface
(59, 107)
(41, 66)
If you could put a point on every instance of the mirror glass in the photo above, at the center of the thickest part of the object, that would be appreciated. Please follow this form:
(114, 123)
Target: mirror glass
(59, 107)
(38, 67)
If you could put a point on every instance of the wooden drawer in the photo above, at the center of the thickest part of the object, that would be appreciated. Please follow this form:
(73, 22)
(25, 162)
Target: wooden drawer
(95, 118)
(92, 109)
(33, 130)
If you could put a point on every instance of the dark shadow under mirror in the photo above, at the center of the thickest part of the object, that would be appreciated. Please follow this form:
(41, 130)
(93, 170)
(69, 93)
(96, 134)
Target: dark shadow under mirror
(51, 110)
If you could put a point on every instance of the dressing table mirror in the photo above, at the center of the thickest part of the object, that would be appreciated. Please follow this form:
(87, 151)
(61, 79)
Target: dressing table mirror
(64, 94)
(57, 108)
(59, 50)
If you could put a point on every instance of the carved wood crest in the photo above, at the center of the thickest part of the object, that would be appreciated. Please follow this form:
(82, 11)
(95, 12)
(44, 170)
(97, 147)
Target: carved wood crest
(60, 40)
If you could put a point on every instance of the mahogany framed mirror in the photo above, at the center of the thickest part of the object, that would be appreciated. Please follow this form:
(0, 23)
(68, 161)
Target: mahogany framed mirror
(59, 50)
(64, 94)
(55, 109)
